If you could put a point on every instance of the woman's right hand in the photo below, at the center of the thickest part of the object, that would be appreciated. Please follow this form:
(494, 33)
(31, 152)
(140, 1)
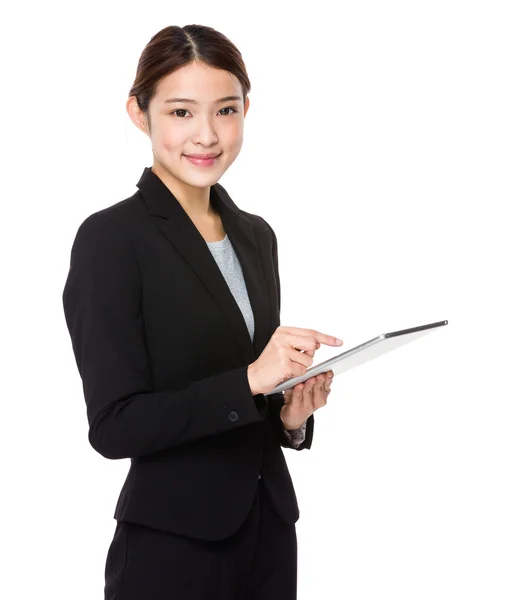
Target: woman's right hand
(281, 358)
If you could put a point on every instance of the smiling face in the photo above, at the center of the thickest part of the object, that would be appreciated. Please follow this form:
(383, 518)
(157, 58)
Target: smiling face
(208, 122)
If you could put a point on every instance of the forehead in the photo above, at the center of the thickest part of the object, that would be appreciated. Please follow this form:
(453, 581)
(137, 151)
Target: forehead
(198, 81)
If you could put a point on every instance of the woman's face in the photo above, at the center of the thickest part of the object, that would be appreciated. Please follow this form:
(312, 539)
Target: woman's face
(207, 126)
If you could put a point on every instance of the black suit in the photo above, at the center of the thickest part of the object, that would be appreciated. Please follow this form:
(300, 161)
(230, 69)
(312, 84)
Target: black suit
(163, 349)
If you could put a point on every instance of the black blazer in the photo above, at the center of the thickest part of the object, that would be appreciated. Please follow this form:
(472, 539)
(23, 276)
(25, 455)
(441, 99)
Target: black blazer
(163, 349)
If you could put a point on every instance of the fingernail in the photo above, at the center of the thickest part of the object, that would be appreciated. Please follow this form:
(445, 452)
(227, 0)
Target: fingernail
(338, 341)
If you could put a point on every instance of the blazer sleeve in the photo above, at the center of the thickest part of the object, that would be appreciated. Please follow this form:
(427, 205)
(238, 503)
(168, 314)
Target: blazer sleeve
(276, 401)
(297, 436)
(102, 306)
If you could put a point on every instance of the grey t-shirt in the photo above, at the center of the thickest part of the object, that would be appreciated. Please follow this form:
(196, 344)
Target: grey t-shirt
(227, 261)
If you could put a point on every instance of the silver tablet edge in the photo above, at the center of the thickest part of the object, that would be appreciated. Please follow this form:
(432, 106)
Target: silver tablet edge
(321, 367)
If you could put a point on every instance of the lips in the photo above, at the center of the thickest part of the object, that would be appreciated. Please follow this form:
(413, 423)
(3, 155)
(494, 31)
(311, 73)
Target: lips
(202, 162)
(202, 156)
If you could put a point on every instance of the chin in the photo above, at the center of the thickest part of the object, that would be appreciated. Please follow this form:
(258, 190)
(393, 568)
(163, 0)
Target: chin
(202, 182)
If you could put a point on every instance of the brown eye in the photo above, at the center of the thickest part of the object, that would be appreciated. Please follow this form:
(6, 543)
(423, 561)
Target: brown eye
(229, 108)
(179, 110)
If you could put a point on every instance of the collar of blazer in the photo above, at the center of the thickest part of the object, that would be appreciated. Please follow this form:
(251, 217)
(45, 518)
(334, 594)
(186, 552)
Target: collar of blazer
(252, 242)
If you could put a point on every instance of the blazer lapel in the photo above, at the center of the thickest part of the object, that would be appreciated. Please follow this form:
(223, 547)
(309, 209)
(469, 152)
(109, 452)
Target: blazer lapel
(185, 237)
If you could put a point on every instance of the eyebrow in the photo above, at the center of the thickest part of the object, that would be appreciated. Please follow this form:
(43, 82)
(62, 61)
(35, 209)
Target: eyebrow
(191, 101)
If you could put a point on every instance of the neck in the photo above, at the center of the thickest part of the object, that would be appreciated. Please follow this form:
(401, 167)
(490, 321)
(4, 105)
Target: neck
(194, 200)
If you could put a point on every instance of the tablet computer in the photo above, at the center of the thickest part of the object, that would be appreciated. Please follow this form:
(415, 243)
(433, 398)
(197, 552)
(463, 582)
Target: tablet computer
(361, 354)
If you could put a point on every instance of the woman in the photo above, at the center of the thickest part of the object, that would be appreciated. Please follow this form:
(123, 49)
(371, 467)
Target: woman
(172, 303)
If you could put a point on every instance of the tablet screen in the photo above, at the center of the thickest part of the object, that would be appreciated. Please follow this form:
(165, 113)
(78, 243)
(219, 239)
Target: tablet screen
(360, 354)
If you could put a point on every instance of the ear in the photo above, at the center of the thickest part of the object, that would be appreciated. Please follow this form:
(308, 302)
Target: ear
(137, 116)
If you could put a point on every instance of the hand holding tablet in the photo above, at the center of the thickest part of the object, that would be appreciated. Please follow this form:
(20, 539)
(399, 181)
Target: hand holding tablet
(282, 357)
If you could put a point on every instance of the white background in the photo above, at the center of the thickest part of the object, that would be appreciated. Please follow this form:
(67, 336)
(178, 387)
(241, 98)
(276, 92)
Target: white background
(381, 129)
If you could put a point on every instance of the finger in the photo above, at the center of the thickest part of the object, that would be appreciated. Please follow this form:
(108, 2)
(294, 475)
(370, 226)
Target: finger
(308, 393)
(301, 358)
(320, 393)
(301, 342)
(297, 394)
(317, 336)
(321, 377)
(320, 380)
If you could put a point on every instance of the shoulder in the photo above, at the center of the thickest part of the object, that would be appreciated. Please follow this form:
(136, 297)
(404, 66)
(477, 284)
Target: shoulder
(109, 231)
(115, 219)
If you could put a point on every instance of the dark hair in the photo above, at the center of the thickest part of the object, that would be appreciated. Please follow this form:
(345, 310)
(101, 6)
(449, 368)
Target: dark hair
(173, 47)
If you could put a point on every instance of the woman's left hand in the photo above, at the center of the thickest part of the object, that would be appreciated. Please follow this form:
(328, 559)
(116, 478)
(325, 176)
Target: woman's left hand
(302, 400)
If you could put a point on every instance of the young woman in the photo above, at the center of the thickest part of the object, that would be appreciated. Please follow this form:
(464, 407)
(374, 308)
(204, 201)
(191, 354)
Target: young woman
(172, 303)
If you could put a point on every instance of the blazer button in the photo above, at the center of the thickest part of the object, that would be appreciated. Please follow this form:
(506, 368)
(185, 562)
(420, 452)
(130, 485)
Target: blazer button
(233, 416)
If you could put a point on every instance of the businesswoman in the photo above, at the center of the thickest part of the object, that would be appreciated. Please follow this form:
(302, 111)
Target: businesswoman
(172, 303)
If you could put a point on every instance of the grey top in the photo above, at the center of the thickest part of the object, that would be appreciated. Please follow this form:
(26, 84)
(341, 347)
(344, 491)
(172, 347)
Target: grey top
(227, 261)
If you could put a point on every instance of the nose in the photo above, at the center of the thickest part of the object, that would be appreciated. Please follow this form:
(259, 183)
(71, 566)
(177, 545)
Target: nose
(205, 133)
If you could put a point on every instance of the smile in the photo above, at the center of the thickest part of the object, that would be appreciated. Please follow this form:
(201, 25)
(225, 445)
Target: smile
(203, 162)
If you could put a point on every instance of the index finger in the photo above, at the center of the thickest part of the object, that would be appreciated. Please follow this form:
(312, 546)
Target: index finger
(320, 337)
